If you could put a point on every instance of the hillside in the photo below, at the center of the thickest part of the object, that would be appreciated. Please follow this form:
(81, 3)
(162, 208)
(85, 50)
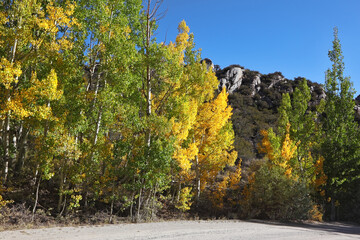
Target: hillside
(255, 98)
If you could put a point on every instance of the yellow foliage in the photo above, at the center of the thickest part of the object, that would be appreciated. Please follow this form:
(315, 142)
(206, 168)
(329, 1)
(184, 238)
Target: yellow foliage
(9, 73)
(184, 202)
(23, 103)
(3, 202)
(265, 146)
(75, 201)
(219, 193)
(281, 157)
(183, 156)
(213, 116)
(187, 119)
(50, 20)
(183, 36)
(288, 148)
(235, 177)
(17, 108)
(201, 126)
(214, 138)
(181, 43)
(316, 213)
(320, 177)
(248, 188)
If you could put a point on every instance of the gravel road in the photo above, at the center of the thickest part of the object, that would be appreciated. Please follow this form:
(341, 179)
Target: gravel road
(203, 230)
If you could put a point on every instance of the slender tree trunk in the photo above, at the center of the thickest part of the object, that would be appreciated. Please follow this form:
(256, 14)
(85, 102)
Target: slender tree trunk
(63, 208)
(21, 149)
(131, 207)
(139, 205)
(14, 51)
(97, 129)
(36, 200)
(61, 189)
(17, 138)
(112, 201)
(98, 123)
(153, 202)
(148, 74)
(111, 210)
(7, 160)
(197, 176)
(179, 192)
(6, 146)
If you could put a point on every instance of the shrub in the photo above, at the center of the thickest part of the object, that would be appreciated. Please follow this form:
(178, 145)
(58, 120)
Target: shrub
(272, 195)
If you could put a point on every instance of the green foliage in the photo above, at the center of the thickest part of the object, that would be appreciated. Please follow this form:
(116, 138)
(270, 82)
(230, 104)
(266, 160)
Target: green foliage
(96, 113)
(249, 117)
(341, 141)
(275, 196)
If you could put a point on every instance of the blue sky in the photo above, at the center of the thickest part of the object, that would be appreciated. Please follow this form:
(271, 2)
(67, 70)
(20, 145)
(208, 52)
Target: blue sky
(290, 36)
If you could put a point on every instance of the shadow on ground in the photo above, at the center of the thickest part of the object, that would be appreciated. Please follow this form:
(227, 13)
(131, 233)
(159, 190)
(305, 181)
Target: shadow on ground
(334, 227)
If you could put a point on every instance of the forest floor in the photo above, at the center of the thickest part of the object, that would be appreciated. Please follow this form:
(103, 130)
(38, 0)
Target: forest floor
(209, 230)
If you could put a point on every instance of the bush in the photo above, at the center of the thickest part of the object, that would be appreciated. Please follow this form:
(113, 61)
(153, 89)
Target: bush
(272, 195)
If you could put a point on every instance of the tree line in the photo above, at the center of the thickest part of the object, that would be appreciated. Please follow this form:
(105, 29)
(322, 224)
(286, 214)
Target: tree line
(95, 113)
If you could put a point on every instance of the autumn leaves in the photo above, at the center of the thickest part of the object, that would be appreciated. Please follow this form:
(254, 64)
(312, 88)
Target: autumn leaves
(92, 105)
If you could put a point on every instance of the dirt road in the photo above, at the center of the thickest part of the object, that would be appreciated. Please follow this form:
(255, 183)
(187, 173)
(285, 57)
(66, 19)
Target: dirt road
(202, 230)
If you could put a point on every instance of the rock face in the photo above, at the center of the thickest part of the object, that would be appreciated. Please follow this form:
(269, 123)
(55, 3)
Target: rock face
(255, 84)
(237, 79)
(230, 77)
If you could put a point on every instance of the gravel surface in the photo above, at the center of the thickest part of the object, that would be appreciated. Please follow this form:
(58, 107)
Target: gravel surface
(204, 230)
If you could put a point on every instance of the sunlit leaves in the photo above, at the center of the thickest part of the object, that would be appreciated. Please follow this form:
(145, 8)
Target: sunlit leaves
(9, 73)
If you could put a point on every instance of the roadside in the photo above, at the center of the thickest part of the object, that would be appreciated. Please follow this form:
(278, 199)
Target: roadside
(210, 230)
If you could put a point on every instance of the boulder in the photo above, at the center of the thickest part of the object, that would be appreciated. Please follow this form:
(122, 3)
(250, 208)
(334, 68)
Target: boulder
(230, 77)
(255, 84)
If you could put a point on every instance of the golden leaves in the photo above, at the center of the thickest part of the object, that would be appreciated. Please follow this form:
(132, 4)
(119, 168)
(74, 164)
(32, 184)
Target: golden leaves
(9, 73)
(213, 116)
(320, 177)
(24, 103)
(214, 137)
(184, 202)
(50, 20)
(235, 177)
(16, 106)
(184, 155)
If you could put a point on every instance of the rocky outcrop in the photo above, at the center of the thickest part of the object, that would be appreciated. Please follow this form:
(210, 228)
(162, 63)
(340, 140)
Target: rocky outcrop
(209, 63)
(255, 85)
(255, 99)
(276, 79)
(230, 77)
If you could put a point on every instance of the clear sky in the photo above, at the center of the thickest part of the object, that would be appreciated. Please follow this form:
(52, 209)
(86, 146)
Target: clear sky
(290, 36)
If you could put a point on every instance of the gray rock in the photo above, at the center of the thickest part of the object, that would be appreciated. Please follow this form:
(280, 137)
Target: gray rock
(275, 80)
(254, 85)
(231, 78)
